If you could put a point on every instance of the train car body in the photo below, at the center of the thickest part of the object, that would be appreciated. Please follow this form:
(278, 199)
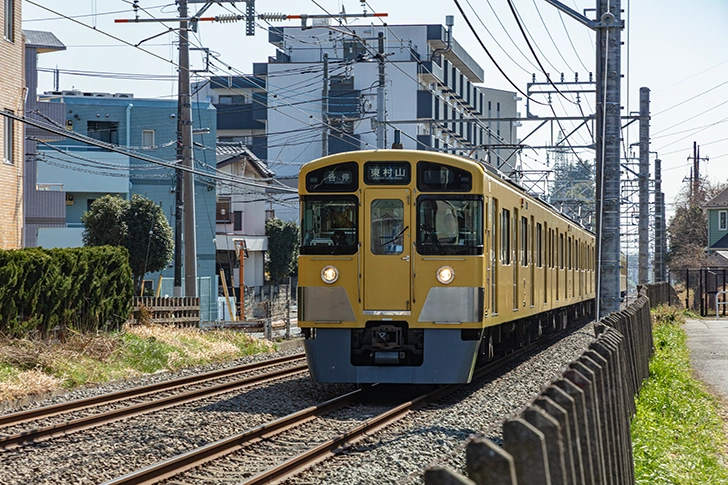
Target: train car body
(415, 264)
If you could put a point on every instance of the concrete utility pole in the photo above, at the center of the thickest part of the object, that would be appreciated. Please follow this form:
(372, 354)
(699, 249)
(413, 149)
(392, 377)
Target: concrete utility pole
(608, 136)
(644, 186)
(608, 77)
(325, 109)
(185, 128)
(381, 127)
(659, 264)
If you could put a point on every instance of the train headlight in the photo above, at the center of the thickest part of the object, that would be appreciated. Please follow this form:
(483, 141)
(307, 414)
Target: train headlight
(445, 275)
(329, 274)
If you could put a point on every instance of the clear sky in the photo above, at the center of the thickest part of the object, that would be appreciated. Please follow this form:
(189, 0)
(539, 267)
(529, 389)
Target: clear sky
(675, 48)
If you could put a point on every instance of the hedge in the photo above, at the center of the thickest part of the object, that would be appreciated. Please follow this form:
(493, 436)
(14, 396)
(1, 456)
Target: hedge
(44, 290)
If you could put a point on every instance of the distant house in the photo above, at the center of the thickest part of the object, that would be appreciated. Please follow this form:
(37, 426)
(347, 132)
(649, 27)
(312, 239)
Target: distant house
(82, 172)
(241, 213)
(717, 208)
(44, 204)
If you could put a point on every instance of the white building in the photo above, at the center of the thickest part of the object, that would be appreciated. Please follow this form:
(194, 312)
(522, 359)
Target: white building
(433, 96)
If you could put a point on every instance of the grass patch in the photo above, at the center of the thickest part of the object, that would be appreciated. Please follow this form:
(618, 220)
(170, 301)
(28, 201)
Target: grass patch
(30, 368)
(677, 433)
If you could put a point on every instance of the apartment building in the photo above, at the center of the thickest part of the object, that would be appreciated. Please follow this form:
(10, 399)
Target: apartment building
(12, 93)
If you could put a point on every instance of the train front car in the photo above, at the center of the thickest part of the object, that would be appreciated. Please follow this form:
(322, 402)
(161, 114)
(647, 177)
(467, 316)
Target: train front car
(391, 267)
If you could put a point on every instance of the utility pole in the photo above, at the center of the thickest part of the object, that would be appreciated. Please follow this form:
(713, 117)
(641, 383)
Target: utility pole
(325, 109)
(608, 132)
(609, 27)
(659, 263)
(644, 186)
(184, 125)
(381, 127)
(695, 174)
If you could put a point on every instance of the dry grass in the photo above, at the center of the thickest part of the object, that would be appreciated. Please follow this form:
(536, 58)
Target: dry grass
(34, 368)
(31, 382)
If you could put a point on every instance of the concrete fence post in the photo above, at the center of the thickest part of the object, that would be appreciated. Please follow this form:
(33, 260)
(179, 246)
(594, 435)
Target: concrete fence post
(488, 463)
(527, 445)
(553, 439)
(445, 476)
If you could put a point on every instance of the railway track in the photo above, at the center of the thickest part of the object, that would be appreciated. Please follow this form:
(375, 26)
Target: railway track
(39, 433)
(301, 455)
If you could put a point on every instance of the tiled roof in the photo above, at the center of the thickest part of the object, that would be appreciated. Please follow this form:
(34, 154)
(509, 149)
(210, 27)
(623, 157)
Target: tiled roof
(43, 41)
(231, 152)
(719, 201)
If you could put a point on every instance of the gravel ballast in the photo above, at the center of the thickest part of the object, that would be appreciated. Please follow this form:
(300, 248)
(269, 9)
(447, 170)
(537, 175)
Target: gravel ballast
(397, 454)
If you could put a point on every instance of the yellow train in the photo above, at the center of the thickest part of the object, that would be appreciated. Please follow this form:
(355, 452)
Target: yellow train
(414, 265)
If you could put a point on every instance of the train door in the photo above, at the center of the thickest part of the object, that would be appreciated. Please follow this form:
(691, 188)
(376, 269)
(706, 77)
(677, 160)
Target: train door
(387, 249)
(532, 261)
(494, 235)
(514, 258)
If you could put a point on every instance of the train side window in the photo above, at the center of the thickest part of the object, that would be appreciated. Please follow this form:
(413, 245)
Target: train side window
(561, 251)
(505, 236)
(568, 253)
(524, 241)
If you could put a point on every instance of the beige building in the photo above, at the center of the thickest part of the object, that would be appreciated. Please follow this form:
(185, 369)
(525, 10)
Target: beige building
(12, 87)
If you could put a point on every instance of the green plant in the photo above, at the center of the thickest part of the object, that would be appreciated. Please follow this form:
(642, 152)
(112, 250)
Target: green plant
(677, 432)
(282, 249)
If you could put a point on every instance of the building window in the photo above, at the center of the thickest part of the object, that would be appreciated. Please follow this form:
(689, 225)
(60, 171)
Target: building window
(10, 20)
(722, 220)
(223, 214)
(106, 131)
(8, 139)
(148, 138)
(238, 221)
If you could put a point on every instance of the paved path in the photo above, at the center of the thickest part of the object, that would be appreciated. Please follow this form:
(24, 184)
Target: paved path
(708, 344)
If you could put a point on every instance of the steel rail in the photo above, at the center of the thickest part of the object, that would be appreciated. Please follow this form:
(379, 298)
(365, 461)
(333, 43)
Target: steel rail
(186, 461)
(68, 427)
(56, 409)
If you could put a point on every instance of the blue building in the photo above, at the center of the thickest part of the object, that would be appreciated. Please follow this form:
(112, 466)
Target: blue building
(84, 172)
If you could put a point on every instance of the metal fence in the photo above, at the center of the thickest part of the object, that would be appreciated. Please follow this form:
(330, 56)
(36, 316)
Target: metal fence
(702, 290)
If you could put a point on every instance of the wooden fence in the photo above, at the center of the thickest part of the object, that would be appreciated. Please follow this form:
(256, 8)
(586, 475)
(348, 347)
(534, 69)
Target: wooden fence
(181, 311)
(577, 431)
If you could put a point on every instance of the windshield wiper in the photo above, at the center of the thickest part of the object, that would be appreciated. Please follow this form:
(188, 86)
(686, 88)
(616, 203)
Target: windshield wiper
(395, 237)
(433, 236)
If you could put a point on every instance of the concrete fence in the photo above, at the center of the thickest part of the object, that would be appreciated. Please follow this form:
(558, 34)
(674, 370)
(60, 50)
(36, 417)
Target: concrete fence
(577, 431)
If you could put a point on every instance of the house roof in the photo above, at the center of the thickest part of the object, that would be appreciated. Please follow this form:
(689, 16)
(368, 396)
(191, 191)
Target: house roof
(43, 41)
(719, 201)
(228, 153)
(721, 243)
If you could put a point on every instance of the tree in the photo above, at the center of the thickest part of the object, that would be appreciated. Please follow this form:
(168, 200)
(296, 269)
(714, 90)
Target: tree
(688, 227)
(282, 249)
(139, 225)
(573, 188)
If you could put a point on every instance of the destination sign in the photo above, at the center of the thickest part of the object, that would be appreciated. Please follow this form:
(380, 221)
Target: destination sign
(387, 173)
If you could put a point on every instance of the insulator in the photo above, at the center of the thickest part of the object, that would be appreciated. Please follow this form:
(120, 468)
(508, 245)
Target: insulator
(275, 16)
(229, 18)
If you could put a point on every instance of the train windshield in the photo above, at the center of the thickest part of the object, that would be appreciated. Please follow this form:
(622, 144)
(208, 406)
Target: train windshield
(329, 225)
(450, 224)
